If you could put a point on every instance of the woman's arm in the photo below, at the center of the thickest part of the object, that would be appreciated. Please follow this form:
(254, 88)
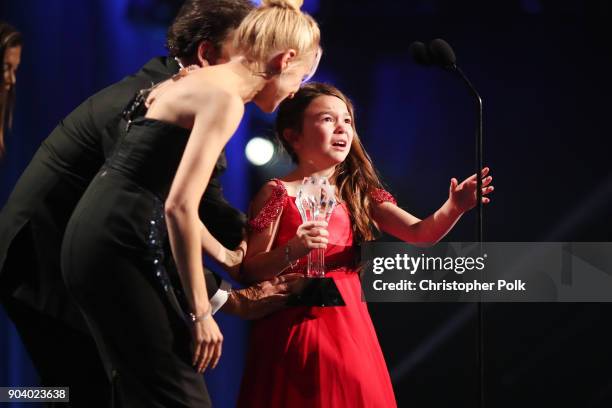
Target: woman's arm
(403, 225)
(262, 263)
(213, 125)
(229, 259)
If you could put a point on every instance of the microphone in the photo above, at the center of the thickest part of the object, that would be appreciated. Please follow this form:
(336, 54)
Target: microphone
(440, 53)
(420, 53)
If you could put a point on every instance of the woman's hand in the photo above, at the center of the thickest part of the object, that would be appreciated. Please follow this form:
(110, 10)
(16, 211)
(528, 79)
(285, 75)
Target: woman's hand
(310, 235)
(233, 260)
(207, 341)
(463, 196)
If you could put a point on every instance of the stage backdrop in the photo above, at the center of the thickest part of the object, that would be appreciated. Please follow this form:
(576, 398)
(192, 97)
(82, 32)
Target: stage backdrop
(542, 68)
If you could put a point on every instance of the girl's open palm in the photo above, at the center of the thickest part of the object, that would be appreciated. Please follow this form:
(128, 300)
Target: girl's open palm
(463, 195)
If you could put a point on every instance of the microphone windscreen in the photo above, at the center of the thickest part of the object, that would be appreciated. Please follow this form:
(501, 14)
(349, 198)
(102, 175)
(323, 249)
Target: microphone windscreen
(419, 53)
(442, 53)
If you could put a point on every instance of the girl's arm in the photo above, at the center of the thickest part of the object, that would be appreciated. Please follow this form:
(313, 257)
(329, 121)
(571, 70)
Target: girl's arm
(262, 262)
(213, 126)
(403, 225)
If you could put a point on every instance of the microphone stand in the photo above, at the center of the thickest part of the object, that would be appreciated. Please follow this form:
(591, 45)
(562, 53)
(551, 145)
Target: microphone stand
(478, 145)
(445, 58)
(479, 228)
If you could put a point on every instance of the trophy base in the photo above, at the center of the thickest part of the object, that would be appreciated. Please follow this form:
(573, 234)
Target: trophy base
(321, 292)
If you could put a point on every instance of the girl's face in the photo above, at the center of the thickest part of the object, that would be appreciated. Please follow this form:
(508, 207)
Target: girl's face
(12, 58)
(327, 133)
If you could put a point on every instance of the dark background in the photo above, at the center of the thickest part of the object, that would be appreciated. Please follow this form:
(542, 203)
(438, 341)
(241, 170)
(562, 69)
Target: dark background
(543, 69)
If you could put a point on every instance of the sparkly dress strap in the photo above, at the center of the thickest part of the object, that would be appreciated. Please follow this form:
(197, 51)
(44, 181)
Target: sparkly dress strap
(136, 107)
(271, 209)
(380, 196)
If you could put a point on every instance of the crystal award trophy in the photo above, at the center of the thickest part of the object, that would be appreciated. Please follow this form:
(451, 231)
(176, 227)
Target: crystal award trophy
(316, 200)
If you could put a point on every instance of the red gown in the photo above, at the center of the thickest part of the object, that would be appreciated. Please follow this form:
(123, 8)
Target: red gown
(317, 356)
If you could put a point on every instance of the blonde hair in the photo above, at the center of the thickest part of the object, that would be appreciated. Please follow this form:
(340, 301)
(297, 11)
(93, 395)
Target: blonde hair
(276, 25)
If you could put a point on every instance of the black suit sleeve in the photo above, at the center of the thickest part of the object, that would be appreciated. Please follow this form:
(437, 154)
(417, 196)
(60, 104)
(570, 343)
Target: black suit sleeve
(224, 222)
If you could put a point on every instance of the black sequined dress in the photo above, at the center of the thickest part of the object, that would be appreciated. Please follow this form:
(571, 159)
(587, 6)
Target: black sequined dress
(113, 258)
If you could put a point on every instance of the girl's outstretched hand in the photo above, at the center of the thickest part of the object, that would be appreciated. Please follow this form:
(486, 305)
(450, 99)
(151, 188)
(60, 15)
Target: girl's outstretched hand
(463, 195)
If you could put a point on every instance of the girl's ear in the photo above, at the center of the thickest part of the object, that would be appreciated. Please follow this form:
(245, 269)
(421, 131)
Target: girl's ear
(291, 137)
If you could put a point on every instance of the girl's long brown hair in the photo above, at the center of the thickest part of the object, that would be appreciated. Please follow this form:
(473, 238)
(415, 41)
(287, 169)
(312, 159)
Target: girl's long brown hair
(9, 38)
(355, 176)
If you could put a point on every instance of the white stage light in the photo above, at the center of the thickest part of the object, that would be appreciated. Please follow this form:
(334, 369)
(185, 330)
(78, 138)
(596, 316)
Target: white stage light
(259, 151)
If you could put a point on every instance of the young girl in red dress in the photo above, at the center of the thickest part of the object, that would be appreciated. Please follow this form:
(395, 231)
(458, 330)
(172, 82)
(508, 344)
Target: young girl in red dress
(328, 356)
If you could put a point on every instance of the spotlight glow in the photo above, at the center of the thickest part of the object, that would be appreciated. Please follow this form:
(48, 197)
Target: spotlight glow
(259, 151)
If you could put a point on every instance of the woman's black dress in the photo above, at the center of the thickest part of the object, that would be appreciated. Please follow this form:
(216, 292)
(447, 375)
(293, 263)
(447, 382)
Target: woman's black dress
(112, 261)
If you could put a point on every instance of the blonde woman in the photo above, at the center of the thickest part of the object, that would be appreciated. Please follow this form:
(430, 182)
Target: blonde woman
(147, 195)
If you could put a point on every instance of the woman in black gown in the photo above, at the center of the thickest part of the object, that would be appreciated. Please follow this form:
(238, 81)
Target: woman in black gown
(147, 196)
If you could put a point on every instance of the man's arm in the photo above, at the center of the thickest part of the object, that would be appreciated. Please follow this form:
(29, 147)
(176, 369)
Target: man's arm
(263, 298)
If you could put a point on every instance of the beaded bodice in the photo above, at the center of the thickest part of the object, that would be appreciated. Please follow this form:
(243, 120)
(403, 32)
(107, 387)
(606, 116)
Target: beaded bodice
(340, 252)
